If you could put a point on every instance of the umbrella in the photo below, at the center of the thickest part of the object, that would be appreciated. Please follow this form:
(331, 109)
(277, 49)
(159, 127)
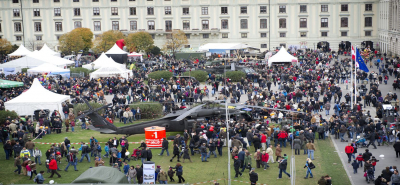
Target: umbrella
(10, 84)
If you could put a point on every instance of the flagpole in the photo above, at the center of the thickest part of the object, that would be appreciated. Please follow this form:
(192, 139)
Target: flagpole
(351, 81)
(355, 82)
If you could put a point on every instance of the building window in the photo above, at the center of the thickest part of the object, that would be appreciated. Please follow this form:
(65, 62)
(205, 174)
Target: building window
(167, 10)
(58, 26)
(168, 25)
(206, 35)
(282, 23)
(115, 25)
(56, 1)
(186, 25)
(36, 12)
(187, 36)
(58, 37)
(16, 12)
(38, 37)
(243, 35)
(303, 34)
(263, 9)
(303, 8)
(344, 22)
(264, 46)
(150, 10)
(224, 10)
(96, 11)
(324, 22)
(186, 46)
(243, 23)
(303, 23)
(150, 25)
(224, 24)
(95, 0)
(282, 34)
(204, 10)
(18, 38)
(324, 34)
(263, 35)
(368, 33)
(344, 7)
(243, 9)
(77, 12)
(77, 24)
(114, 0)
(282, 9)
(114, 11)
(324, 8)
(344, 33)
(97, 26)
(57, 11)
(38, 26)
(75, 1)
(185, 11)
(368, 7)
(15, 1)
(368, 21)
(204, 24)
(132, 11)
(224, 35)
(17, 27)
(35, 1)
(263, 23)
(133, 25)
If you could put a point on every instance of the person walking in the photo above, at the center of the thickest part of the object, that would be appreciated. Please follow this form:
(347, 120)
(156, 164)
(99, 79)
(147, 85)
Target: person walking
(85, 152)
(355, 166)
(253, 177)
(264, 160)
(164, 147)
(179, 172)
(71, 158)
(17, 163)
(270, 152)
(236, 165)
(282, 167)
(310, 148)
(371, 138)
(257, 157)
(176, 153)
(247, 161)
(53, 167)
(309, 165)
(278, 151)
(186, 154)
(349, 151)
(132, 174)
(396, 147)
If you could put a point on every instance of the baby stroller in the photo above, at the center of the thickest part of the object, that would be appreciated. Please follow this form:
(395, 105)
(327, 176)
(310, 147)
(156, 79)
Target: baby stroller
(135, 154)
(361, 142)
(370, 176)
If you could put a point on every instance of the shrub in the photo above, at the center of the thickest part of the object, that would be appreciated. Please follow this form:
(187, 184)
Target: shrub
(5, 113)
(148, 110)
(24, 70)
(80, 69)
(235, 76)
(83, 107)
(160, 74)
(201, 76)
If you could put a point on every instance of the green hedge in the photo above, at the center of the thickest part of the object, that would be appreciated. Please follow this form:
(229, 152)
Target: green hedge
(235, 76)
(24, 70)
(160, 74)
(80, 69)
(83, 107)
(5, 113)
(201, 76)
(148, 110)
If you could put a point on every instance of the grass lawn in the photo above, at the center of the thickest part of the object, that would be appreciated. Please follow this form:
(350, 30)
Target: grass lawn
(326, 161)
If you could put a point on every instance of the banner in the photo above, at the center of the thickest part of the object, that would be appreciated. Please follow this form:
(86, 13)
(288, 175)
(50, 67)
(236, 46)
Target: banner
(9, 71)
(149, 172)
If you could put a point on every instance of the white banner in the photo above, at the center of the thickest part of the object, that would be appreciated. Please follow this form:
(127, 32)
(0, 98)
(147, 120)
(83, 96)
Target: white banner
(149, 172)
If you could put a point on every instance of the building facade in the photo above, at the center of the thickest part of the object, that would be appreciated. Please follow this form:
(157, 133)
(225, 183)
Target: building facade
(264, 24)
(394, 28)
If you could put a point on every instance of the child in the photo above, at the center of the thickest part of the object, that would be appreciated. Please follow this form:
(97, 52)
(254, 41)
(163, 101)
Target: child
(47, 165)
(72, 125)
(360, 160)
(28, 170)
(158, 169)
(107, 150)
(171, 174)
(58, 156)
(355, 166)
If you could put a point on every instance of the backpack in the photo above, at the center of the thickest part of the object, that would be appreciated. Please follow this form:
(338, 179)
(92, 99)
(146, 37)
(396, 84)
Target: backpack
(311, 165)
(179, 169)
(99, 148)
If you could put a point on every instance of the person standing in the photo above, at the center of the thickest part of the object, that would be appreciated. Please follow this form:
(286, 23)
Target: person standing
(270, 153)
(297, 145)
(247, 161)
(282, 167)
(164, 147)
(176, 152)
(396, 147)
(85, 152)
(132, 175)
(53, 167)
(371, 138)
(253, 177)
(263, 141)
(349, 151)
(37, 154)
(264, 159)
(71, 158)
(17, 163)
(139, 174)
(258, 157)
(309, 165)
(310, 148)
(236, 165)
(203, 151)
(395, 178)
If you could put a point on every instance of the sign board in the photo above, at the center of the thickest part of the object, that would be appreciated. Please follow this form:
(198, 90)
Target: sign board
(149, 176)
(154, 136)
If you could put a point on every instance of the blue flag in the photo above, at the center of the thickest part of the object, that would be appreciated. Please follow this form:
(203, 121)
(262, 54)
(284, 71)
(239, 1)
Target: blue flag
(361, 62)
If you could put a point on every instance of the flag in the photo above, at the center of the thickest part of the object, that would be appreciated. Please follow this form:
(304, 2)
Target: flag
(360, 61)
(353, 53)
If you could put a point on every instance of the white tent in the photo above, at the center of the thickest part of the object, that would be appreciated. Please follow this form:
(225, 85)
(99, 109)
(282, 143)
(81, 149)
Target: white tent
(21, 51)
(37, 97)
(136, 55)
(281, 57)
(109, 71)
(222, 46)
(103, 60)
(47, 51)
(50, 69)
(116, 50)
(36, 59)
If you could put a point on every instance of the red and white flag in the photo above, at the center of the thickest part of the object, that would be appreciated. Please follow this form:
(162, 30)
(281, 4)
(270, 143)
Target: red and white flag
(353, 53)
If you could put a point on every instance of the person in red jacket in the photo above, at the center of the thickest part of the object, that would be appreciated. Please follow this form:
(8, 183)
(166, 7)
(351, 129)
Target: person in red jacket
(349, 151)
(282, 136)
(263, 141)
(264, 159)
(53, 167)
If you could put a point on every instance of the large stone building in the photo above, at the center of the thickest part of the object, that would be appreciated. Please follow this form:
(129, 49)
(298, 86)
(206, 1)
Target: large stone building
(263, 24)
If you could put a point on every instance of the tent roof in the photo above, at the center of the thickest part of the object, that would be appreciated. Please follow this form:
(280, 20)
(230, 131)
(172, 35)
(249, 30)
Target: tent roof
(35, 59)
(227, 46)
(282, 56)
(134, 54)
(21, 51)
(37, 93)
(102, 174)
(46, 50)
(10, 84)
(47, 67)
(116, 50)
(103, 60)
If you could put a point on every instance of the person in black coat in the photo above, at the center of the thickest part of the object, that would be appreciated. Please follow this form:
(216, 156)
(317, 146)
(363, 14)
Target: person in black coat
(256, 143)
(139, 174)
(149, 154)
(236, 165)
(113, 159)
(282, 167)
(176, 152)
(143, 154)
(253, 177)
(164, 147)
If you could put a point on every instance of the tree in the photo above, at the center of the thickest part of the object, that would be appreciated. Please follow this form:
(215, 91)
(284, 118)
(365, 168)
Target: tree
(155, 50)
(139, 41)
(34, 44)
(107, 40)
(87, 36)
(5, 46)
(176, 41)
(71, 42)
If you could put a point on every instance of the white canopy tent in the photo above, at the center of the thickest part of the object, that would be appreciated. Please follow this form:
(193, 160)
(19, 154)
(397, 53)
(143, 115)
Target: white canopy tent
(109, 71)
(47, 51)
(103, 60)
(282, 57)
(136, 55)
(222, 46)
(116, 50)
(50, 69)
(21, 51)
(37, 97)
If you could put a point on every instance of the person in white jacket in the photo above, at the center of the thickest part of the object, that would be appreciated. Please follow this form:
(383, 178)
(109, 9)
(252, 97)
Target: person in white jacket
(280, 117)
(37, 154)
